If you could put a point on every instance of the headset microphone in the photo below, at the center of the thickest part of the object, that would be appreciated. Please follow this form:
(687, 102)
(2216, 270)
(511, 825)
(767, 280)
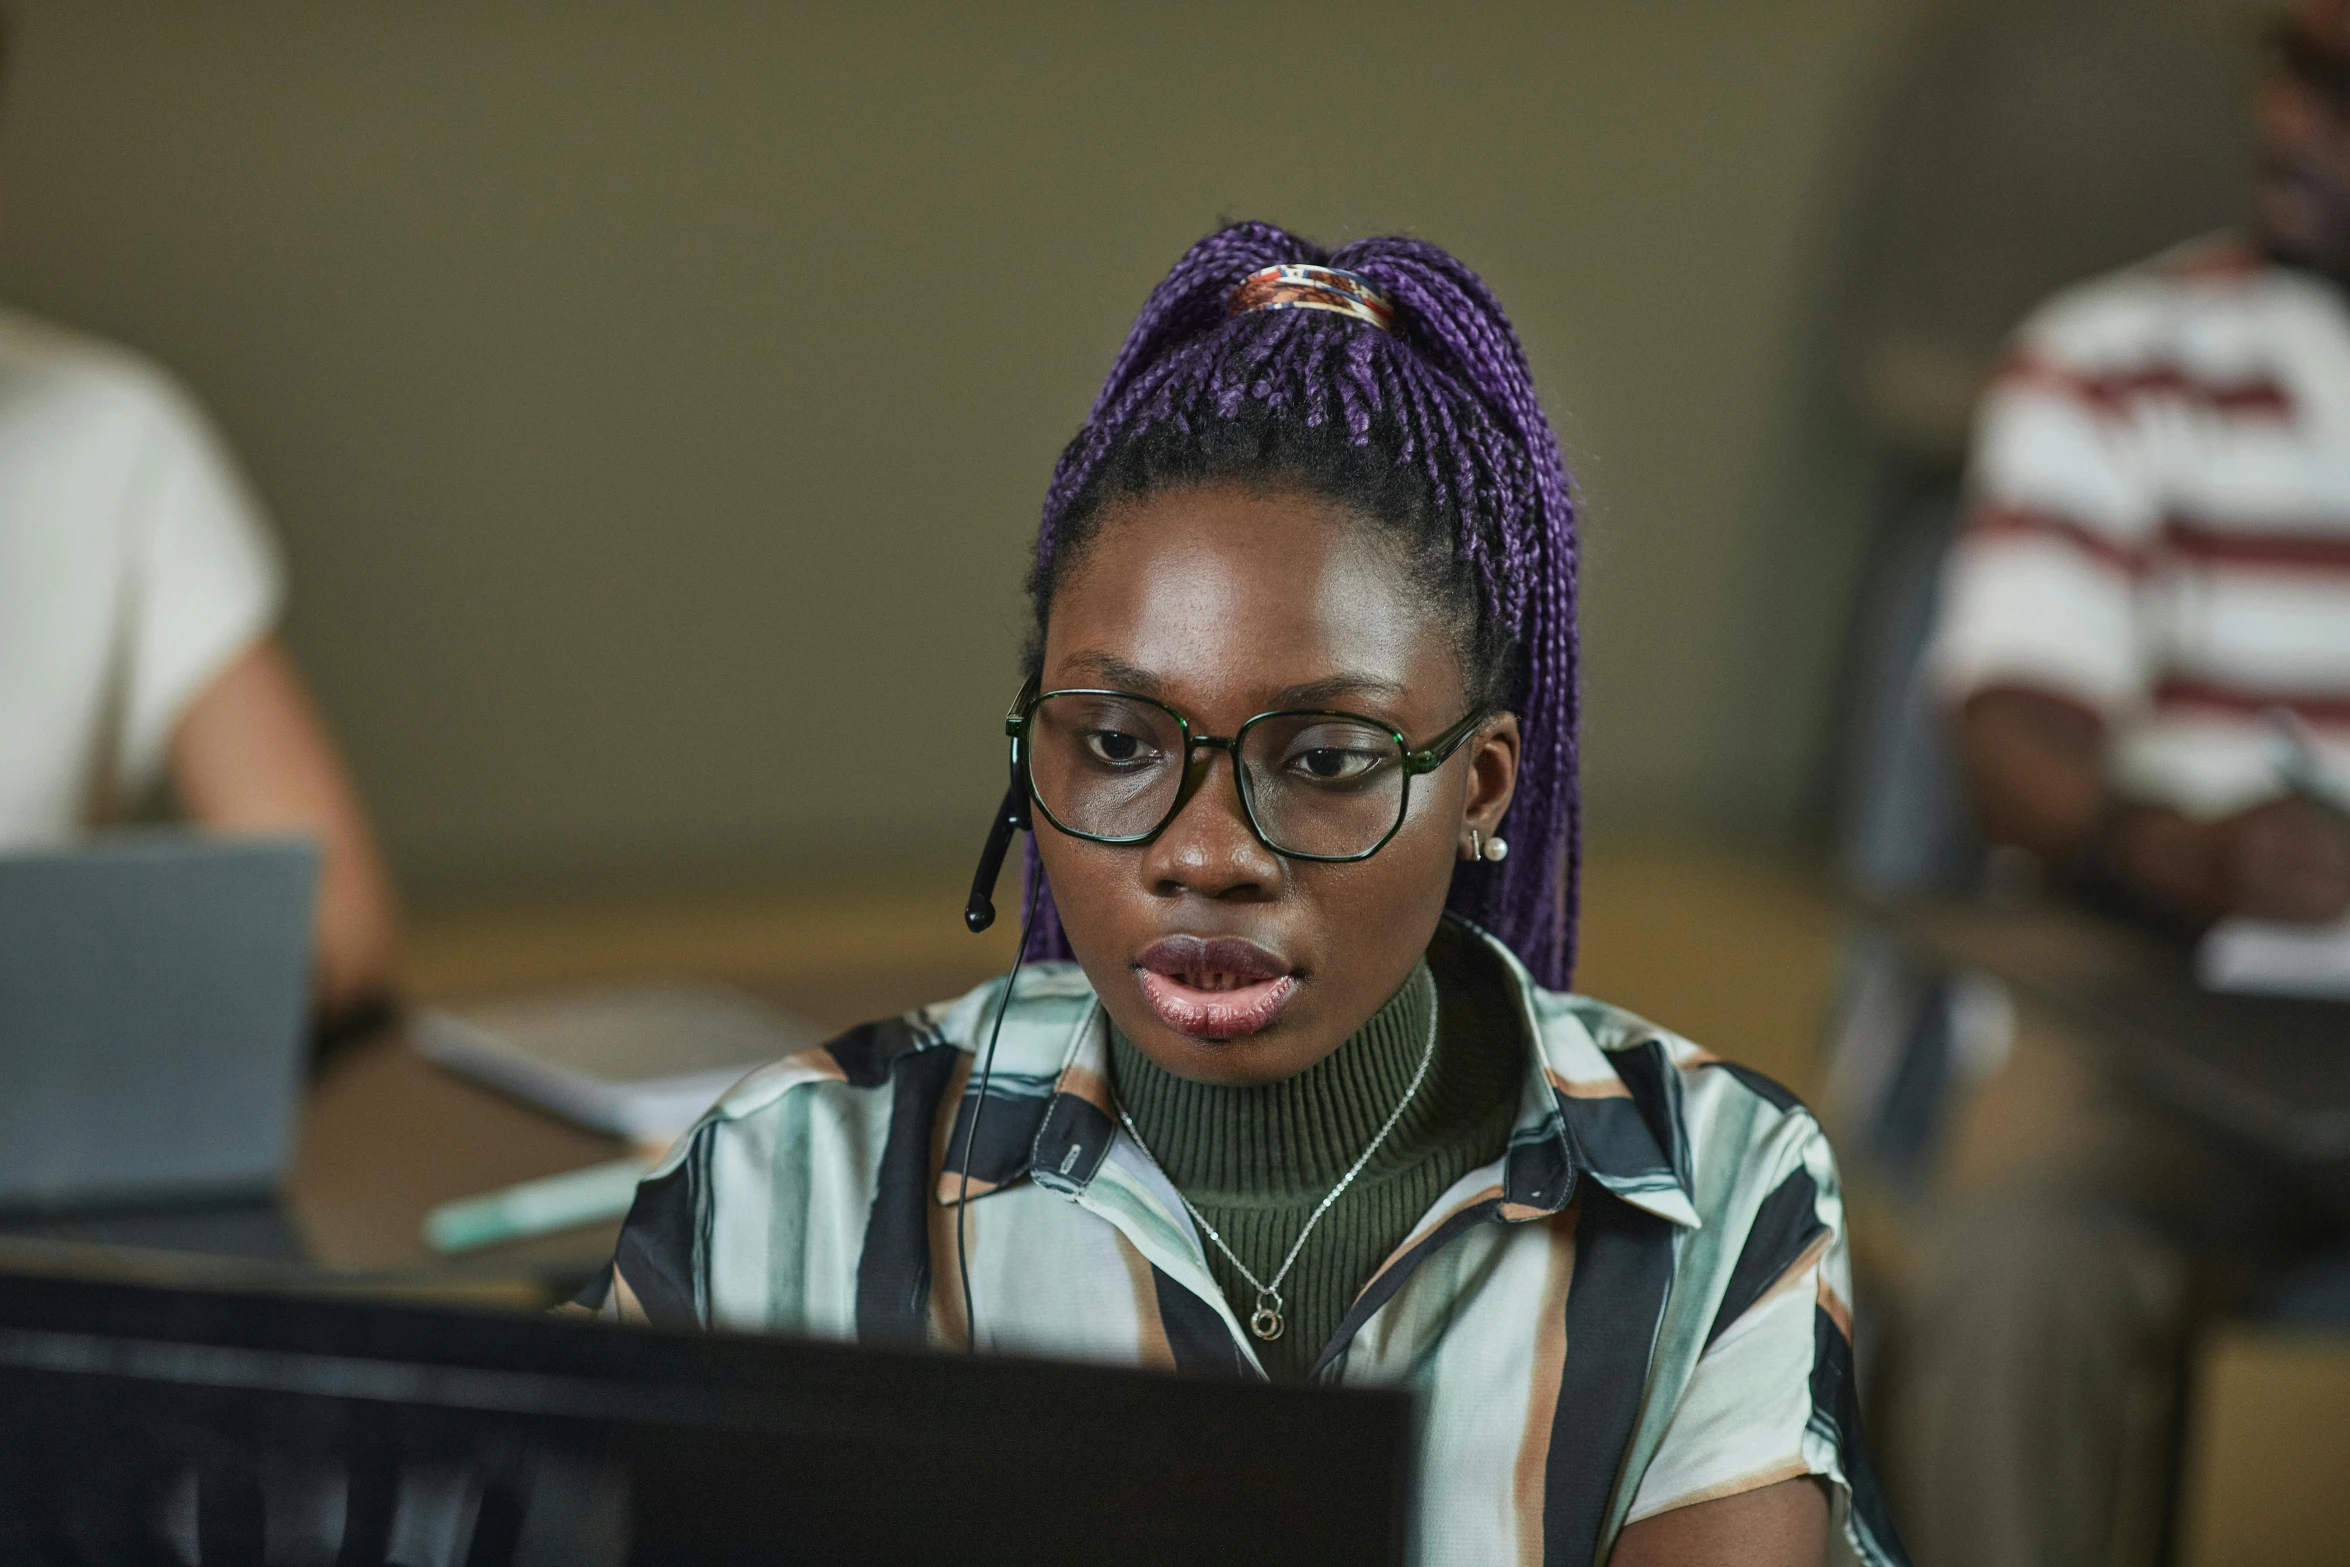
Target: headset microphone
(979, 913)
(1010, 817)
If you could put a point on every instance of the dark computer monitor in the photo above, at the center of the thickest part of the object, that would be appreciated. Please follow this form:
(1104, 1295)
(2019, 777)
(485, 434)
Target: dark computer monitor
(140, 1424)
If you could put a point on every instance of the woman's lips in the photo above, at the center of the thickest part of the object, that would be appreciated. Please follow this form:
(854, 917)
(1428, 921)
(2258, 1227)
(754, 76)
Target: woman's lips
(1216, 1014)
(1216, 987)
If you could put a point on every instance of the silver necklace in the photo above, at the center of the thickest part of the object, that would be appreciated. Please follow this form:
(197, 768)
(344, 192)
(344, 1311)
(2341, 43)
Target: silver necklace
(1265, 1321)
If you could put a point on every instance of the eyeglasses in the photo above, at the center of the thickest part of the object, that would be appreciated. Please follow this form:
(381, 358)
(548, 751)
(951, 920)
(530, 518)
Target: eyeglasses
(1113, 767)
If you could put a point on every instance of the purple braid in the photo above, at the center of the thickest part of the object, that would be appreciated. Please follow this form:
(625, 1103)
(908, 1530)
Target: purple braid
(1449, 397)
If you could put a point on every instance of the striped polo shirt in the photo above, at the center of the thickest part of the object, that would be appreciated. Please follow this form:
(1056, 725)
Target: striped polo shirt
(1640, 1305)
(2160, 523)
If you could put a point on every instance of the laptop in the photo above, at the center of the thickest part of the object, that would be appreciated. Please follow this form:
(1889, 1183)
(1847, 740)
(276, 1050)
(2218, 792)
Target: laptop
(144, 1424)
(154, 996)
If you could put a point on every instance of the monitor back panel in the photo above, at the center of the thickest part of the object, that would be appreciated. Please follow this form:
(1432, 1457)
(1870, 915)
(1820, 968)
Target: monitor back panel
(142, 1423)
(153, 991)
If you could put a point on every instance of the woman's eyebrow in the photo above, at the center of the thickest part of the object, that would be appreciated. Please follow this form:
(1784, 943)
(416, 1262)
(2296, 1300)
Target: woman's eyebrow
(1334, 687)
(1111, 670)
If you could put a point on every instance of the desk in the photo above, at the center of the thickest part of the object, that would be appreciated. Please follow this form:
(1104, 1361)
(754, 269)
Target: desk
(2272, 1070)
(387, 1136)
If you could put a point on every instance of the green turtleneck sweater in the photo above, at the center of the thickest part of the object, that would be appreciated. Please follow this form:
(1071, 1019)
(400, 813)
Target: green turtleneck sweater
(1257, 1160)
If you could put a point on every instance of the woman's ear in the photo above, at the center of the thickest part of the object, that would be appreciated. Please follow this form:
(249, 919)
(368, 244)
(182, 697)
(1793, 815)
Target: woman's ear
(1493, 774)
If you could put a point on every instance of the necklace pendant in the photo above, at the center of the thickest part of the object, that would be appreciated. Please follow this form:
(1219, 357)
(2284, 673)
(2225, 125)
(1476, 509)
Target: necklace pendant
(1265, 1321)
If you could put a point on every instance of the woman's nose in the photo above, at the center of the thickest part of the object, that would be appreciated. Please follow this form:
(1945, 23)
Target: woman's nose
(1208, 850)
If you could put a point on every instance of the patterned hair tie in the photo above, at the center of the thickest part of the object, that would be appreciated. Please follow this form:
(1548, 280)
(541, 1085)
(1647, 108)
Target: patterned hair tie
(1300, 286)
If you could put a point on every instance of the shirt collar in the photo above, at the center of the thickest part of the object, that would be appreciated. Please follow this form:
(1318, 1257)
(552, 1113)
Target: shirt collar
(1614, 1112)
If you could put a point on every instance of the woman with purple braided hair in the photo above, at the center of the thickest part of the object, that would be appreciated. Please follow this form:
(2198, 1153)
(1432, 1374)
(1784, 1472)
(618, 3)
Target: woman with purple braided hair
(1428, 430)
(1293, 1087)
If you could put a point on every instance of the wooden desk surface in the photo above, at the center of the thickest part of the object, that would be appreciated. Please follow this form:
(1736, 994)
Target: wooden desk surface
(387, 1136)
(2272, 1069)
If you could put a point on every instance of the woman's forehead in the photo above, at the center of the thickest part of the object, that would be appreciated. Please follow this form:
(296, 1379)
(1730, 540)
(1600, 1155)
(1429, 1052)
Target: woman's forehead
(1229, 593)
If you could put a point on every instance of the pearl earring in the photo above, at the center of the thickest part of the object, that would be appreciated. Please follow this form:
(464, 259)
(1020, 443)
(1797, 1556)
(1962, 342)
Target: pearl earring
(1497, 849)
(1476, 846)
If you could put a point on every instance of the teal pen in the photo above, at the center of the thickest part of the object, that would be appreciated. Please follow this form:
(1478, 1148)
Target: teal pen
(540, 1207)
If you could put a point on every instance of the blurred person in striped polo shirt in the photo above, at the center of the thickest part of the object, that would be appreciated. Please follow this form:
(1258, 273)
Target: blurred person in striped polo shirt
(2155, 574)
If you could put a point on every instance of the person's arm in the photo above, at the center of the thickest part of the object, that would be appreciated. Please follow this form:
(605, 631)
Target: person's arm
(2034, 766)
(1782, 1525)
(250, 754)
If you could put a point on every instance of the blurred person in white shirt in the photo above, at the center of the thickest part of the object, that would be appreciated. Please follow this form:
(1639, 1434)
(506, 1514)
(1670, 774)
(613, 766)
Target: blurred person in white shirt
(2158, 557)
(2154, 579)
(139, 596)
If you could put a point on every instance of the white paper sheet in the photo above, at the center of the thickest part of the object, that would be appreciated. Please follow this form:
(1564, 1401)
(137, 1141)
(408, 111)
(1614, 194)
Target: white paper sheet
(644, 1062)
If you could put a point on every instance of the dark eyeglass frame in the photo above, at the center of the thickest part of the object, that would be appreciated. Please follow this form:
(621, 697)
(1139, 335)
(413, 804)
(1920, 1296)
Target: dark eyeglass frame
(1416, 761)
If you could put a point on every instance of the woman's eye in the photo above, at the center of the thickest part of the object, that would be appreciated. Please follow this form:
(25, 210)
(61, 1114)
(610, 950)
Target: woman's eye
(1328, 764)
(1111, 745)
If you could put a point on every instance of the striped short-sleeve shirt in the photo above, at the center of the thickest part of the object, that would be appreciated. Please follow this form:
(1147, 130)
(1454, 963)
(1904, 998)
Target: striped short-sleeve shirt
(2160, 527)
(1643, 1303)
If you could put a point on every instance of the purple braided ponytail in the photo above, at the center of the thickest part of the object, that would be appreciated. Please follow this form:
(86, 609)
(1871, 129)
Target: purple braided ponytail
(1433, 427)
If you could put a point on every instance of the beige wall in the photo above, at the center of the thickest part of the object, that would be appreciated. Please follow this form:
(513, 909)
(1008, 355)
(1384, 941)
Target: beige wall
(649, 394)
